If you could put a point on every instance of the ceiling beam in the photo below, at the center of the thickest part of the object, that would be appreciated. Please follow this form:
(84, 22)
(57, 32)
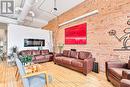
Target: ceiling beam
(7, 20)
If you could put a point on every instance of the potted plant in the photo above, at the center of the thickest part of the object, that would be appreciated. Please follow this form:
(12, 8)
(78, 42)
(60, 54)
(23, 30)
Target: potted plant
(60, 46)
(26, 60)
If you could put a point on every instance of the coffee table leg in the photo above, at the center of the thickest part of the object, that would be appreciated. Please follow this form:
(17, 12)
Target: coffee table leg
(17, 74)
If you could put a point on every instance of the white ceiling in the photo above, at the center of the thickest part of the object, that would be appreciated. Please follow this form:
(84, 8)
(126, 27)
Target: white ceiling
(17, 3)
(44, 11)
(44, 8)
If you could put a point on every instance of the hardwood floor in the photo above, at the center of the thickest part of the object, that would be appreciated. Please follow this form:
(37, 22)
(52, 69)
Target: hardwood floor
(62, 77)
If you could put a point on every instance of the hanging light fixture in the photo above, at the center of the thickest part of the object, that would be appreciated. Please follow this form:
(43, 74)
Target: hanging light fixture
(55, 8)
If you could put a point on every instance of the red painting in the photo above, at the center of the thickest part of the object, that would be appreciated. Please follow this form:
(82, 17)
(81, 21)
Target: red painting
(76, 34)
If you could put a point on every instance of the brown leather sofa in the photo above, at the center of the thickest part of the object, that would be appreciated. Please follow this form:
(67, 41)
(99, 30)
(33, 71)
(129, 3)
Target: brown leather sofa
(39, 56)
(116, 71)
(79, 61)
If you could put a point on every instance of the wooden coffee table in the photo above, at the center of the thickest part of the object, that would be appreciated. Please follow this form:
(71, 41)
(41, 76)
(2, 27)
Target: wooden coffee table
(29, 69)
(32, 68)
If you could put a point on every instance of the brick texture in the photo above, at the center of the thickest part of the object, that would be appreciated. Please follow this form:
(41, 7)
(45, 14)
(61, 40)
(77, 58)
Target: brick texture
(113, 14)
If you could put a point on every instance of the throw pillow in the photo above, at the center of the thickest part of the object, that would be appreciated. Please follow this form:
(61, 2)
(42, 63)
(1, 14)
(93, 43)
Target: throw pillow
(74, 54)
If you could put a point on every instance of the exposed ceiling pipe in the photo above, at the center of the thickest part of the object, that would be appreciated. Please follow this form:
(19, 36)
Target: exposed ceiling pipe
(23, 15)
(26, 8)
(22, 3)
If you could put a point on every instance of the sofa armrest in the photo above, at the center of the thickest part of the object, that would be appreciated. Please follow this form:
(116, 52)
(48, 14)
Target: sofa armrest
(51, 53)
(58, 54)
(126, 75)
(36, 55)
(115, 64)
(125, 83)
(88, 65)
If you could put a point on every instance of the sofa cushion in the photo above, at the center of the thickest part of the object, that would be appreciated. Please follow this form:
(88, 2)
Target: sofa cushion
(33, 58)
(77, 63)
(74, 54)
(26, 52)
(44, 52)
(40, 57)
(67, 60)
(84, 55)
(117, 72)
(66, 53)
(128, 64)
(48, 56)
(35, 52)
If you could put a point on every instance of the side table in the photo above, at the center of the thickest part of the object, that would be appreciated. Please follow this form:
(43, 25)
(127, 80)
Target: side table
(95, 67)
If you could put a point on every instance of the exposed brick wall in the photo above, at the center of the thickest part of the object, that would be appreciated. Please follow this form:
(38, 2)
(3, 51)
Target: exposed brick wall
(113, 14)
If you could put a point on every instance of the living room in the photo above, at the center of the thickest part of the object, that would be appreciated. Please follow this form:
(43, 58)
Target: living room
(65, 43)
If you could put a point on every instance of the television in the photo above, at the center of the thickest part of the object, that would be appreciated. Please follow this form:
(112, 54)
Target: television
(34, 42)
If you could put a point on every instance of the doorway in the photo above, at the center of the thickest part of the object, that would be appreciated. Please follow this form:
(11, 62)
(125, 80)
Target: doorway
(3, 41)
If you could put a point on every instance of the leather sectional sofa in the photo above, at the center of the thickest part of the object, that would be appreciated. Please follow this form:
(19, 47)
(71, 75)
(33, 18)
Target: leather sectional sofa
(39, 56)
(118, 73)
(79, 61)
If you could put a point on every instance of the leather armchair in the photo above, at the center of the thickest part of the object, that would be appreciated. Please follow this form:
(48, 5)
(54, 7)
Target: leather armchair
(116, 71)
(125, 83)
(113, 64)
(126, 74)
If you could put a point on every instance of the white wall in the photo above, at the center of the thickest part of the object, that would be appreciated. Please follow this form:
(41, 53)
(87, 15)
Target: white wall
(16, 35)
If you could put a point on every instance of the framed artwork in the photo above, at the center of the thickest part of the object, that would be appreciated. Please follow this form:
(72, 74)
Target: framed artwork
(76, 34)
